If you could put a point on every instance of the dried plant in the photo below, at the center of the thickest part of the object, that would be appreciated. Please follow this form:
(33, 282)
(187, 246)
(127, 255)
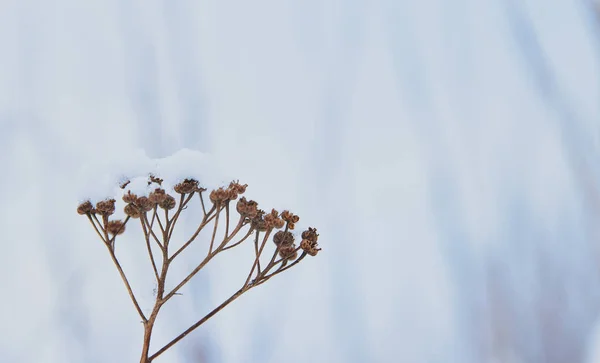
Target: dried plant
(158, 230)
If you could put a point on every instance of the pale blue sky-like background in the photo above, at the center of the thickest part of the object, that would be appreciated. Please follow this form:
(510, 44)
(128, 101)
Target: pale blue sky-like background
(448, 152)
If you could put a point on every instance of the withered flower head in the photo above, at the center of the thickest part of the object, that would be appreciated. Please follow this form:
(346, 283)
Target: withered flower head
(289, 217)
(272, 219)
(309, 241)
(115, 227)
(124, 184)
(219, 195)
(168, 203)
(154, 179)
(157, 196)
(237, 187)
(129, 197)
(132, 211)
(258, 222)
(247, 208)
(85, 207)
(310, 234)
(187, 186)
(288, 252)
(283, 238)
(106, 207)
(144, 204)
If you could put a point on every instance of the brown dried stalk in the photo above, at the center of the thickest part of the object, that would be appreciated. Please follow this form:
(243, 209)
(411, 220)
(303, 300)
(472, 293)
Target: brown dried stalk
(251, 221)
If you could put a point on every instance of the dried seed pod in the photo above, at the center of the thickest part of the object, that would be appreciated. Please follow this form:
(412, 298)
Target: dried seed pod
(187, 186)
(219, 195)
(247, 208)
(129, 197)
(290, 218)
(144, 204)
(115, 227)
(106, 207)
(168, 203)
(154, 179)
(283, 238)
(310, 234)
(85, 207)
(237, 187)
(258, 222)
(132, 211)
(157, 196)
(288, 252)
(311, 247)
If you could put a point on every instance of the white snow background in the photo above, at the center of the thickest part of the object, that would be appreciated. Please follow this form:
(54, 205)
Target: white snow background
(447, 151)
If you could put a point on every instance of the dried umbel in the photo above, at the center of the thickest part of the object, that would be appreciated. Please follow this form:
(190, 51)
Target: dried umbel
(283, 238)
(226, 231)
(106, 207)
(272, 220)
(85, 207)
(187, 186)
(144, 204)
(309, 241)
(132, 211)
(157, 196)
(168, 203)
(129, 197)
(115, 227)
(247, 208)
(288, 252)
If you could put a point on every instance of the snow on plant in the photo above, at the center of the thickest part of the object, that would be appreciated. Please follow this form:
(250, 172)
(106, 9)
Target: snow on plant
(158, 211)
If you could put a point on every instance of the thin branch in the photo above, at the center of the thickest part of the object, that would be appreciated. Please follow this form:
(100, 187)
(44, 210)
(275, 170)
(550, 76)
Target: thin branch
(204, 222)
(199, 322)
(126, 282)
(202, 202)
(280, 270)
(189, 277)
(257, 259)
(147, 238)
(240, 241)
(212, 240)
(182, 204)
(152, 232)
(96, 228)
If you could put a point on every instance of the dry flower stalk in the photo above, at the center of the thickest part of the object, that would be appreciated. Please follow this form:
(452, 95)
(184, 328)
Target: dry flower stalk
(159, 229)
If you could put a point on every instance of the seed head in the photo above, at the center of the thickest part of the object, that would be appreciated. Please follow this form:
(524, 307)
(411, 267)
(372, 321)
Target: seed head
(219, 195)
(237, 187)
(309, 247)
(144, 204)
(106, 207)
(157, 196)
(85, 207)
(288, 252)
(247, 208)
(168, 203)
(187, 186)
(129, 197)
(289, 217)
(154, 179)
(132, 211)
(310, 234)
(115, 227)
(273, 219)
(258, 222)
(283, 238)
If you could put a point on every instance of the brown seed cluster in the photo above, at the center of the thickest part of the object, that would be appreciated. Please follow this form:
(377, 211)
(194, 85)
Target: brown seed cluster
(309, 241)
(247, 208)
(106, 207)
(85, 208)
(222, 195)
(272, 219)
(157, 196)
(115, 227)
(168, 203)
(284, 240)
(290, 218)
(187, 186)
(154, 179)
(258, 222)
